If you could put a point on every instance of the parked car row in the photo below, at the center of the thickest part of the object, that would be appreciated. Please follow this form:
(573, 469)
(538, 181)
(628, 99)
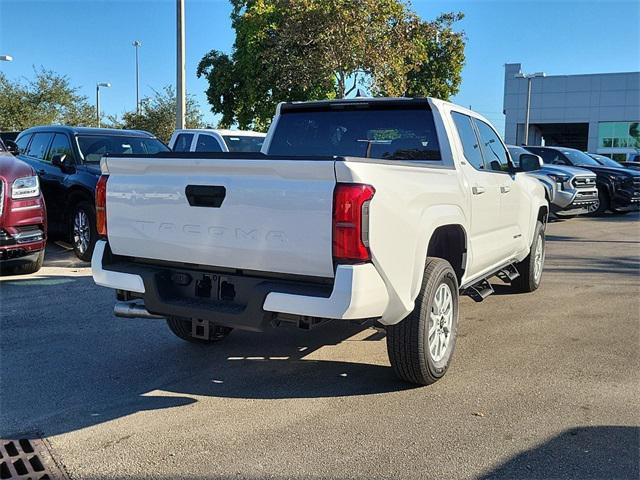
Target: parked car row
(618, 187)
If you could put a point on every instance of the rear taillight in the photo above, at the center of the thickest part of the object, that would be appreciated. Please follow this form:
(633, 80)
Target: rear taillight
(101, 205)
(351, 222)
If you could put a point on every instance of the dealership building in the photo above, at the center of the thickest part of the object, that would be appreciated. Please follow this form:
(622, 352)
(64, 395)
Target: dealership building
(599, 113)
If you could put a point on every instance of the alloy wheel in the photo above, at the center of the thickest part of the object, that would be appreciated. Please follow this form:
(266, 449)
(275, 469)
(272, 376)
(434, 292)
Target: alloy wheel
(81, 231)
(441, 316)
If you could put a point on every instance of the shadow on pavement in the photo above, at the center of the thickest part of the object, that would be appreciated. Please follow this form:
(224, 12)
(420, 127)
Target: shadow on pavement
(66, 363)
(582, 453)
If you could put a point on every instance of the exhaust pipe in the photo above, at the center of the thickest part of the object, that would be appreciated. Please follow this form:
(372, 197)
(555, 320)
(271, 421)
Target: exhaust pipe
(133, 310)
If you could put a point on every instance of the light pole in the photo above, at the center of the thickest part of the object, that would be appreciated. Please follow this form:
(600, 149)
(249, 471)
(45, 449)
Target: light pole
(180, 67)
(6, 58)
(529, 77)
(98, 85)
(137, 44)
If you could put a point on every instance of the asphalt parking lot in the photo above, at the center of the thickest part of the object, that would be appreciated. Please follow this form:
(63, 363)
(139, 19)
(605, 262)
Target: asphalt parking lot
(543, 385)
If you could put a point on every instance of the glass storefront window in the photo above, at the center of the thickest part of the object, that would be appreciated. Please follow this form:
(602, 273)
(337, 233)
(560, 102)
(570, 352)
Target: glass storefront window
(619, 135)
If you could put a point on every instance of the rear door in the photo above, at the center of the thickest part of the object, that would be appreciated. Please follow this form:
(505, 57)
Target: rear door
(266, 215)
(485, 232)
(511, 201)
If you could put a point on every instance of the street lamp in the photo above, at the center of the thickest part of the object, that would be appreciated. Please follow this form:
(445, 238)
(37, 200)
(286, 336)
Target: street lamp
(6, 58)
(529, 77)
(180, 67)
(137, 44)
(98, 85)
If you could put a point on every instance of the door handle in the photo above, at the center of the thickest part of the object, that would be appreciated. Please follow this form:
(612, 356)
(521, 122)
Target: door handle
(477, 190)
(505, 189)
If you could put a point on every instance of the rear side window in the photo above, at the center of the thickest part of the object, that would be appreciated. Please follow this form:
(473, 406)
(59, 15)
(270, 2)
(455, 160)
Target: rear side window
(207, 143)
(22, 143)
(183, 142)
(392, 134)
(38, 146)
(60, 146)
(469, 139)
(243, 143)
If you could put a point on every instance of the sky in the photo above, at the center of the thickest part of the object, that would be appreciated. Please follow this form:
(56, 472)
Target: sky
(90, 41)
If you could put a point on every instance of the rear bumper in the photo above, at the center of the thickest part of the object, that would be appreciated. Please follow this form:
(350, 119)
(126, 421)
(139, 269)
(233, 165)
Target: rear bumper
(250, 302)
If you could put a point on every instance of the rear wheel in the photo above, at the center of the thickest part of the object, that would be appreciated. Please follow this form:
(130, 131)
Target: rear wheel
(83, 230)
(181, 327)
(420, 347)
(530, 268)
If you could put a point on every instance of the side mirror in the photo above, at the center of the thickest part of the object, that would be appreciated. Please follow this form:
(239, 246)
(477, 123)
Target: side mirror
(12, 147)
(58, 160)
(530, 162)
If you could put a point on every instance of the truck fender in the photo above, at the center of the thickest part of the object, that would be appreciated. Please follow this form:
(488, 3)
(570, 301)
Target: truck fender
(431, 219)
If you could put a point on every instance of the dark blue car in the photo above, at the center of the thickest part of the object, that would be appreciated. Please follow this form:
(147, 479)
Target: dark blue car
(67, 160)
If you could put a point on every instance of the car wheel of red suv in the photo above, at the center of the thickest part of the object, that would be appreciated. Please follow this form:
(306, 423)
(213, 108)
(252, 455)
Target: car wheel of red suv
(83, 230)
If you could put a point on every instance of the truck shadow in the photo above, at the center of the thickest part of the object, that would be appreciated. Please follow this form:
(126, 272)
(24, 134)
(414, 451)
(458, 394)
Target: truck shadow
(584, 453)
(66, 363)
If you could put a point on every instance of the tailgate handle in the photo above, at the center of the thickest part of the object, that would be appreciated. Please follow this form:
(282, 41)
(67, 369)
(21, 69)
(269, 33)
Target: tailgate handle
(205, 195)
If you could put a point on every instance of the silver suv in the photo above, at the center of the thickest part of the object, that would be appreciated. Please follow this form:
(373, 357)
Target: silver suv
(570, 190)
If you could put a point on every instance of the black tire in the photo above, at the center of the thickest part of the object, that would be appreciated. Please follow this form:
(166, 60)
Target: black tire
(181, 327)
(603, 203)
(408, 340)
(82, 251)
(528, 281)
(25, 267)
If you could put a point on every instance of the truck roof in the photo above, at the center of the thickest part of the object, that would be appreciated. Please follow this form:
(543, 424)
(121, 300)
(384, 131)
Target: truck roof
(223, 132)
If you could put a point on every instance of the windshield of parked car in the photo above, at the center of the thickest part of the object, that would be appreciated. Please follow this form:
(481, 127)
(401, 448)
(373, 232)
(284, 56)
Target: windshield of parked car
(2, 147)
(580, 159)
(243, 143)
(93, 147)
(606, 161)
(394, 134)
(515, 153)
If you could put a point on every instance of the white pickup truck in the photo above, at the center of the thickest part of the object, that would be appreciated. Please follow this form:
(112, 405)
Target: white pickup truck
(380, 210)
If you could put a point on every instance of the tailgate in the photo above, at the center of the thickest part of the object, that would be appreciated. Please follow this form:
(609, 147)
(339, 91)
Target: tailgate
(265, 215)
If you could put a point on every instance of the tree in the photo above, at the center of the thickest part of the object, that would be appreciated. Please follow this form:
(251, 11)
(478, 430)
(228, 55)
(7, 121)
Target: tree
(158, 114)
(317, 49)
(46, 99)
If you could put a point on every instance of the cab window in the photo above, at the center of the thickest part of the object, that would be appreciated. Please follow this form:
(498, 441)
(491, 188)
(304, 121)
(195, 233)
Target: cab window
(207, 143)
(39, 144)
(183, 142)
(469, 139)
(495, 154)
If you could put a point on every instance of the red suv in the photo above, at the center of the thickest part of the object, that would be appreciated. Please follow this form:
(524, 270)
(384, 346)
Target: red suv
(23, 218)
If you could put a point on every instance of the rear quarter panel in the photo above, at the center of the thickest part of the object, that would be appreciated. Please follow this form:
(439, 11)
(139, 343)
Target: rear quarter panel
(410, 202)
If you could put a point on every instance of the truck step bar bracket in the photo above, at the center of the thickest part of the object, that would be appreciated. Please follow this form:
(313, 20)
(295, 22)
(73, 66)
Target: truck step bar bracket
(508, 274)
(479, 291)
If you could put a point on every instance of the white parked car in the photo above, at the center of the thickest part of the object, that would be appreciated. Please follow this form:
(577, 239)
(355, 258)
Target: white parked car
(378, 210)
(216, 140)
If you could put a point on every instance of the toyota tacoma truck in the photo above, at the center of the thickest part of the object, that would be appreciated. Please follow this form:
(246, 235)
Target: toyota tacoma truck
(367, 210)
